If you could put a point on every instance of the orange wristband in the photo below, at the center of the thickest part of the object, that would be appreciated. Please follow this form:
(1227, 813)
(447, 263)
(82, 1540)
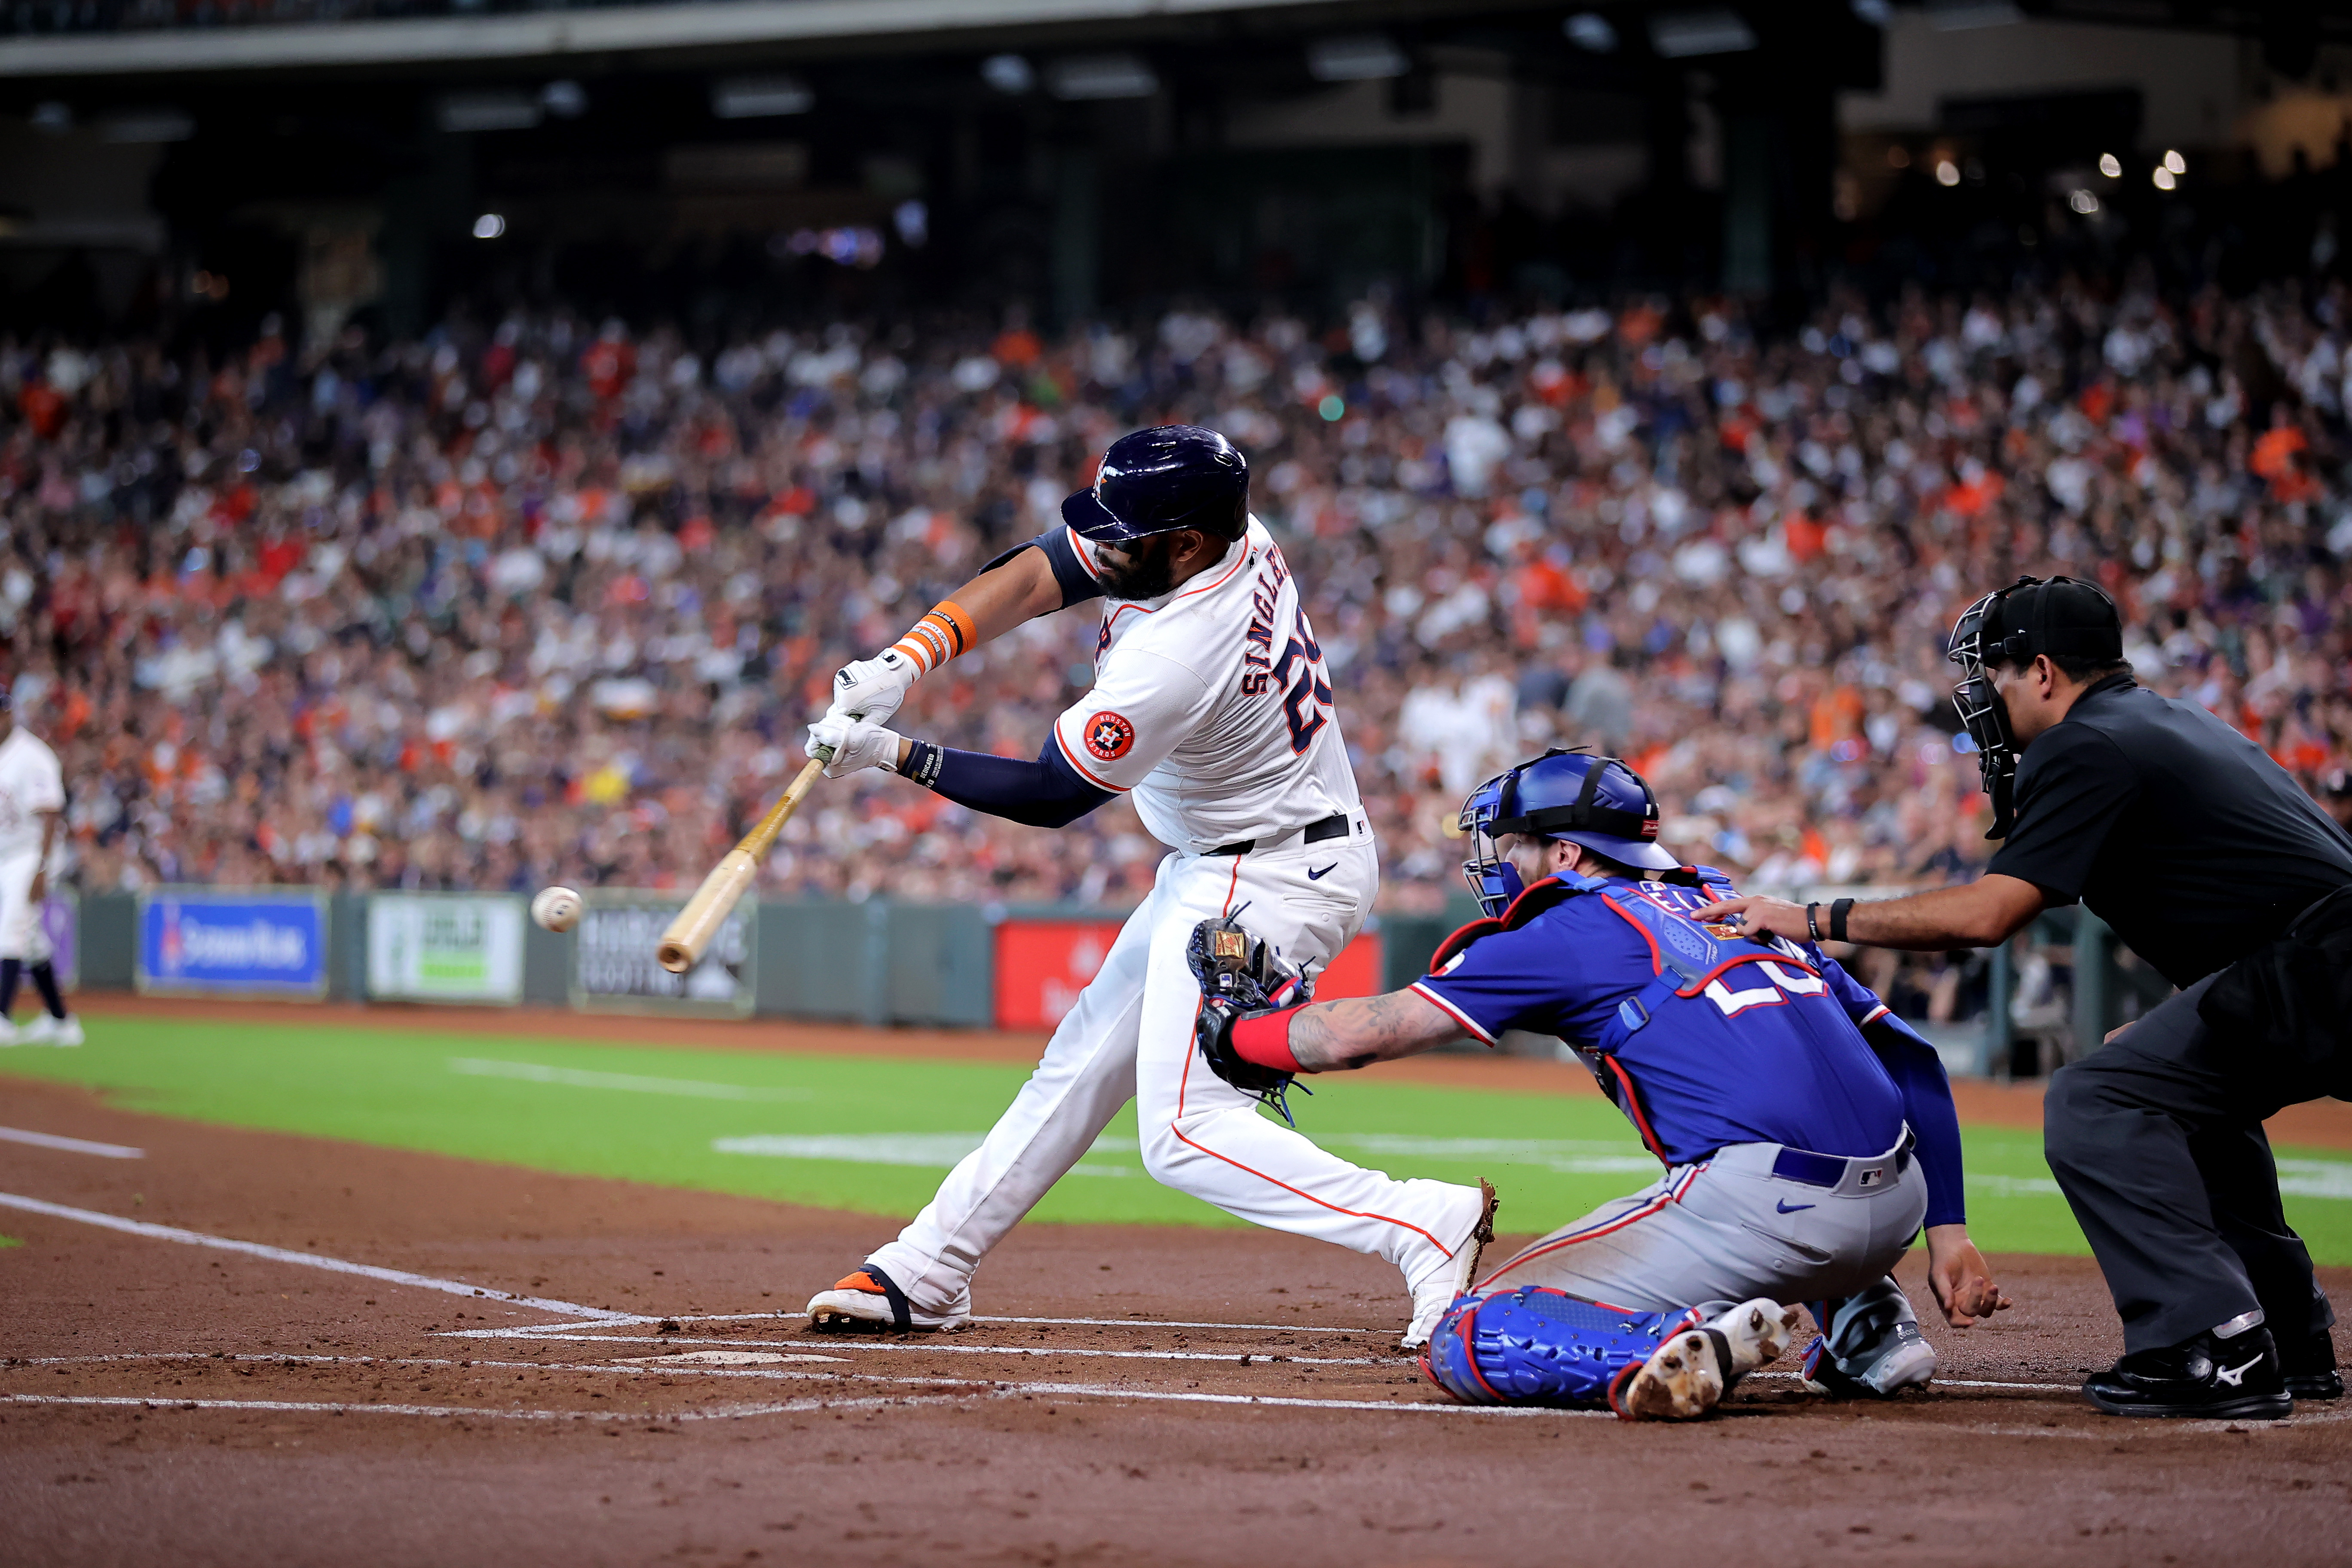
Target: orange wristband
(938, 637)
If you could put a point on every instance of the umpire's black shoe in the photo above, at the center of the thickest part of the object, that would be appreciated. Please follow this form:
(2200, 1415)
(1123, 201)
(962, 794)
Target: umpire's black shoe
(2309, 1367)
(2236, 1379)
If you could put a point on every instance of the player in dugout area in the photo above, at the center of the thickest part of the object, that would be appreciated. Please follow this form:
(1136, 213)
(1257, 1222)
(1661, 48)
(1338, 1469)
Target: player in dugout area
(2226, 878)
(1209, 706)
(1806, 1133)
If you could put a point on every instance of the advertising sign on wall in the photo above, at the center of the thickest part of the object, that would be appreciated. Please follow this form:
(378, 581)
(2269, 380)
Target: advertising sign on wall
(613, 969)
(62, 923)
(233, 940)
(445, 947)
(1043, 964)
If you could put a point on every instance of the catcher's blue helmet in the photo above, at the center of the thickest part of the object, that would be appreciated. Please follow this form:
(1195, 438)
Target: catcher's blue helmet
(1597, 801)
(1162, 479)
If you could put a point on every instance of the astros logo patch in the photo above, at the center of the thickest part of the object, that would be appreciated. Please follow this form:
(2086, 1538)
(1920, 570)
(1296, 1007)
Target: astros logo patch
(1110, 736)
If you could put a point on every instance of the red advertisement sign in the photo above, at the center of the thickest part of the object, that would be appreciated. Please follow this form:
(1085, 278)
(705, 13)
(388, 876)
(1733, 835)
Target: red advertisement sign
(1042, 965)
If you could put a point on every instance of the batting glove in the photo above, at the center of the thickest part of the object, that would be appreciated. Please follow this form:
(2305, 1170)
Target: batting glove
(872, 688)
(856, 746)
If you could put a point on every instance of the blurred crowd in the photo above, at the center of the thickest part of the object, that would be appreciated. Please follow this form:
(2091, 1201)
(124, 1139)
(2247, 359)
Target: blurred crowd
(547, 600)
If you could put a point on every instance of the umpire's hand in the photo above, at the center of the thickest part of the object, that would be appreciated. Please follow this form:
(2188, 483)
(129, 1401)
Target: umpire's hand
(1960, 1278)
(1756, 916)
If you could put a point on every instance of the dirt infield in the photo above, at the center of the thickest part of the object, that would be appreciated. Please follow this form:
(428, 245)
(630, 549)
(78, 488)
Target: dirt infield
(1137, 1396)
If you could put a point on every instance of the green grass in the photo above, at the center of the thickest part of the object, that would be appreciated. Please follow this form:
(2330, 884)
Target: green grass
(521, 1102)
(7, 1241)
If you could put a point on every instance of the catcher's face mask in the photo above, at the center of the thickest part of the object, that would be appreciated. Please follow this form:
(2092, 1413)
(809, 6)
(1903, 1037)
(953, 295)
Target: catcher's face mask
(2014, 625)
(1493, 881)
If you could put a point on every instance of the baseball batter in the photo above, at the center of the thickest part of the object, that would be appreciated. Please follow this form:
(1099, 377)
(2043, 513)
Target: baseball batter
(1806, 1133)
(32, 794)
(1211, 708)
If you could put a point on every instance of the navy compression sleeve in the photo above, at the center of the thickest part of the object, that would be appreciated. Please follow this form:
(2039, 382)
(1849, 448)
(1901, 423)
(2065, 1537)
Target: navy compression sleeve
(1078, 583)
(1047, 792)
(1918, 1073)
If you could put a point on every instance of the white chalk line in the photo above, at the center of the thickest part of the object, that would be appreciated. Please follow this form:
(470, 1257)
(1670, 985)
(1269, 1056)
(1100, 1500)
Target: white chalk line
(306, 1259)
(70, 1145)
(936, 1346)
(978, 1386)
(319, 1407)
(576, 1077)
(2104, 1432)
(534, 1331)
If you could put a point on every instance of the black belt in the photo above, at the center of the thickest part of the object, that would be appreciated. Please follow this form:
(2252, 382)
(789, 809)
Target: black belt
(1332, 826)
(1829, 1170)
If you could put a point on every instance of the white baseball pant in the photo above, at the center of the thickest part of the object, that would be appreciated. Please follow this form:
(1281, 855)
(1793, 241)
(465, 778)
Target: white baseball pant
(21, 933)
(1129, 1036)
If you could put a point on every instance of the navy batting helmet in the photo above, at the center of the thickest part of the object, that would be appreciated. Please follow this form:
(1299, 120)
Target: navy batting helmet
(1597, 801)
(1162, 479)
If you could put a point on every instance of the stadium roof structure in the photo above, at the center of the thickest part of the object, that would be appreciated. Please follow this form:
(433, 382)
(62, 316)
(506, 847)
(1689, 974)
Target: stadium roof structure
(683, 25)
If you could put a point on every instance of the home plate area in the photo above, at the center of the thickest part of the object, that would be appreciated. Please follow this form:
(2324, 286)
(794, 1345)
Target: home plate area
(356, 1355)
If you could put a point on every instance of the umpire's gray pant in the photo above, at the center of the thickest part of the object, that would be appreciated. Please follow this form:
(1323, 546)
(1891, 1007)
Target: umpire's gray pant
(2157, 1140)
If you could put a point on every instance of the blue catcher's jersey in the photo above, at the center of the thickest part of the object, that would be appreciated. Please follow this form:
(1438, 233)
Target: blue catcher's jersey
(1704, 1039)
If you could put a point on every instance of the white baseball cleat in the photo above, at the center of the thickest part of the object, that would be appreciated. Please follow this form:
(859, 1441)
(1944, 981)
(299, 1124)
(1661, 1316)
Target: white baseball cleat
(870, 1303)
(1683, 1380)
(45, 1030)
(1447, 1283)
(1755, 1333)
(1904, 1360)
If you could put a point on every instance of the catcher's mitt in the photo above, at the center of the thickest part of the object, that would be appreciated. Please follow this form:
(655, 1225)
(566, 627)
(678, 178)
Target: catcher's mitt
(1240, 977)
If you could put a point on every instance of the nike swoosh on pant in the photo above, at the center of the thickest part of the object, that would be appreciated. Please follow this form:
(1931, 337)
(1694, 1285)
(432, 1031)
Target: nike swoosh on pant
(1314, 876)
(1785, 1206)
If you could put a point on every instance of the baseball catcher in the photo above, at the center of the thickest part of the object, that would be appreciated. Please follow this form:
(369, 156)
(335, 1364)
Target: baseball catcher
(1806, 1133)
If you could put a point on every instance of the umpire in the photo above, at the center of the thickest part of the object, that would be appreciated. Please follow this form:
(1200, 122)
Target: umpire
(2214, 868)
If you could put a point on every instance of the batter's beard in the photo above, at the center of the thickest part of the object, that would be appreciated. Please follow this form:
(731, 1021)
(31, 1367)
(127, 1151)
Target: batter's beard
(1150, 573)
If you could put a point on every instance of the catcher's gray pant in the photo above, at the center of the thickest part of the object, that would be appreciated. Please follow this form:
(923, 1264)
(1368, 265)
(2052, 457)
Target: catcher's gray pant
(1727, 1229)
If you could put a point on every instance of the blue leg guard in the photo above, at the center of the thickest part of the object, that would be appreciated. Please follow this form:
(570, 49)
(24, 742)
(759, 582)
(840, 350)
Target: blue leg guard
(1536, 1345)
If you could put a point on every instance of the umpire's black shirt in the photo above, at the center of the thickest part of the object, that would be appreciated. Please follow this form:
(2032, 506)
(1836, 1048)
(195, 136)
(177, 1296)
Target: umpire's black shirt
(2174, 828)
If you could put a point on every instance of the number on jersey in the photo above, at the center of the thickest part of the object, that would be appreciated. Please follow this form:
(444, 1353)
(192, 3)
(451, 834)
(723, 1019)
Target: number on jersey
(1308, 703)
(1780, 984)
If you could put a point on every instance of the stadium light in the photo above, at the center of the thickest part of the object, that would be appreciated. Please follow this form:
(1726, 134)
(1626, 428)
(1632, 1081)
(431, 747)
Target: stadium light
(564, 100)
(1088, 77)
(1591, 31)
(2083, 202)
(1684, 34)
(2174, 163)
(1008, 73)
(52, 118)
(1947, 171)
(1367, 57)
(760, 97)
(1876, 13)
(134, 127)
(2111, 166)
(490, 225)
(462, 114)
(2163, 179)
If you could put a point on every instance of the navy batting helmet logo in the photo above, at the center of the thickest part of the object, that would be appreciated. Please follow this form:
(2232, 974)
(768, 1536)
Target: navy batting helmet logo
(1110, 736)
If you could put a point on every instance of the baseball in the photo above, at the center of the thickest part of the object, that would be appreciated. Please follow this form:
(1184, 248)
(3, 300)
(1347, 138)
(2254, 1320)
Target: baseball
(556, 909)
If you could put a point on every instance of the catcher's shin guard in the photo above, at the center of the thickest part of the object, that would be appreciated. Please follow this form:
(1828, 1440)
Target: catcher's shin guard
(1536, 1345)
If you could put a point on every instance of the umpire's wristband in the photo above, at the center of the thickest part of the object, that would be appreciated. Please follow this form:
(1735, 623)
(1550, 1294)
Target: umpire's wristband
(923, 761)
(1838, 912)
(1266, 1040)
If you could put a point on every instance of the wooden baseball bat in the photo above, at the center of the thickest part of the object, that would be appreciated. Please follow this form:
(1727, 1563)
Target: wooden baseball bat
(688, 936)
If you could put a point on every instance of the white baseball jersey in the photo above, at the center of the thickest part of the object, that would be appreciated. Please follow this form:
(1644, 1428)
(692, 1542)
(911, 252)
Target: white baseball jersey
(30, 782)
(1211, 703)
